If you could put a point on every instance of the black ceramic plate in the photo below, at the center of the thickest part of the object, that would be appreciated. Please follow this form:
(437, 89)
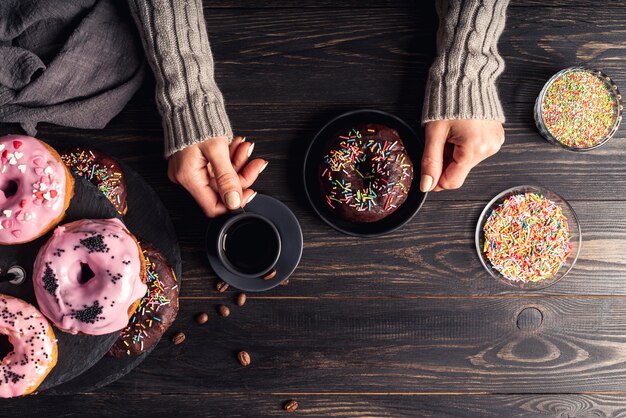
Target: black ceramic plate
(148, 219)
(82, 365)
(414, 146)
(290, 235)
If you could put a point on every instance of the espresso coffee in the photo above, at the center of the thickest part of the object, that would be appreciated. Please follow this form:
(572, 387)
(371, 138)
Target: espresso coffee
(250, 245)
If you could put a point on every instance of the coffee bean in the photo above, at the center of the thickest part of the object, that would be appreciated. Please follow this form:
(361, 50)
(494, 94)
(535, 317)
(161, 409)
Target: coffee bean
(178, 338)
(244, 358)
(290, 406)
(241, 299)
(202, 318)
(270, 275)
(221, 286)
(223, 310)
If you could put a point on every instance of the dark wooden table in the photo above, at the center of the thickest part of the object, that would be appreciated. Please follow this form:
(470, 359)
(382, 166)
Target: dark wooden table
(410, 323)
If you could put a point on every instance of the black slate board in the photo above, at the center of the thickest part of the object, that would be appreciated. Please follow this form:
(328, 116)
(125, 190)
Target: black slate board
(148, 219)
(77, 353)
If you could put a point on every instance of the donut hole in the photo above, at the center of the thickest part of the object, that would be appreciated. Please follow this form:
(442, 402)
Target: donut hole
(366, 172)
(5, 346)
(9, 188)
(86, 273)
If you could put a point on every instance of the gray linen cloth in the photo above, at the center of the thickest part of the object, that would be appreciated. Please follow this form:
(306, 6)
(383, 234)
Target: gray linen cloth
(69, 62)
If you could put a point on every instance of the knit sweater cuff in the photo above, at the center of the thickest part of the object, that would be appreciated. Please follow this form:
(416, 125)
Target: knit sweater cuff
(466, 100)
(462, 79)
(189, 125)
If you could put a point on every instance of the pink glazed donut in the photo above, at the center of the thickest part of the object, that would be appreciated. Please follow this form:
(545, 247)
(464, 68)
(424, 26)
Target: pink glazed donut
(35, 189)
(90, 276)
(34, 347)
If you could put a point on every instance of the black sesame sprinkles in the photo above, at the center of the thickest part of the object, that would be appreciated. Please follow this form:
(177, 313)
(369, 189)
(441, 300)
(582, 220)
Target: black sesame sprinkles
(50, 282)
(90, 314)
(95, 244)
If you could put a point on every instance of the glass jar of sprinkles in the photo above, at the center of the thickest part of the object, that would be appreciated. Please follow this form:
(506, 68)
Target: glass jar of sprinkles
(579, 109)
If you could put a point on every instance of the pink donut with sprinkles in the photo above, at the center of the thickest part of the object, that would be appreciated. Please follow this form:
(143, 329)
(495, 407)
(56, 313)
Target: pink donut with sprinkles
(90, 276)
(34, 352)
(35, 189)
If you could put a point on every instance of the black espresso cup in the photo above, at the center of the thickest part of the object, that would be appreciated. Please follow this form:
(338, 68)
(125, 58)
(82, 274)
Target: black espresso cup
(248, 245)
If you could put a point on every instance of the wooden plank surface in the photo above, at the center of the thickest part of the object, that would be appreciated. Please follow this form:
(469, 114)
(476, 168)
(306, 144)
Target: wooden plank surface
(408, 324)
(269, 404)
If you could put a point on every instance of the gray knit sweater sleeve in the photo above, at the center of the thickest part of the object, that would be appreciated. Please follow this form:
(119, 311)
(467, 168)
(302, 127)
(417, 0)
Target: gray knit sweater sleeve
(176, 43)
(462, 79)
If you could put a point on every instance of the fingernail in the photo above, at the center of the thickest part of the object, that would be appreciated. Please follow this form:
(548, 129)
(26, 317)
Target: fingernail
(233, 201)
(263, 168)
(243, 139)
(251, 197)
(250, 149)
(426, 183)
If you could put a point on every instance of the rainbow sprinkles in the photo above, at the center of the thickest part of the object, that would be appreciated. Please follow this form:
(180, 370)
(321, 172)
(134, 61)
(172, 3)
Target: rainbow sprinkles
(359, 152)
(526, 238)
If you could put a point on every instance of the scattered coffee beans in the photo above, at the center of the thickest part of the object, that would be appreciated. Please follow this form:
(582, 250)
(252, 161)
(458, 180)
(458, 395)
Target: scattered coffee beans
(244, 358)
(202, 318)
(223, 310)
(221, 286)
(290, 406)
(178, 338)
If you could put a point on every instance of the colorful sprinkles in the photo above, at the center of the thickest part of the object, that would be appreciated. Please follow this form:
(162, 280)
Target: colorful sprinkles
(526, 238)
(369, 158)
(580, 109)
(108, 178)
(147, 312)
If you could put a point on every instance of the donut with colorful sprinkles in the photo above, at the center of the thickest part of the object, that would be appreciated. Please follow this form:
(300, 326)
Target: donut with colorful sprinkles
(34, 347)
(365, 173)
(102, 171)
(156, 311)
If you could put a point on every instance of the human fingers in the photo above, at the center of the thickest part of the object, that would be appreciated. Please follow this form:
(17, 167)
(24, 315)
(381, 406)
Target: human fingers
(241, 155)
(250, 172)
(432, 159)
(238, 140)
(226, 179)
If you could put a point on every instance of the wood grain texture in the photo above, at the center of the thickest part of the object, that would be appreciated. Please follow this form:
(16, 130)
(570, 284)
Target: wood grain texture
(408, 324)
(245, 404)
(392, 345)
(433, 255)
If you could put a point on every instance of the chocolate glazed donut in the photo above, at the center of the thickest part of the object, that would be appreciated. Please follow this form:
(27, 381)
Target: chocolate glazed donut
(365, 173)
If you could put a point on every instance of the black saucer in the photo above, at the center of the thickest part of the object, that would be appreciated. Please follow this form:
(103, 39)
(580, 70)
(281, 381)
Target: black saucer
(290, 234)
(414, 146)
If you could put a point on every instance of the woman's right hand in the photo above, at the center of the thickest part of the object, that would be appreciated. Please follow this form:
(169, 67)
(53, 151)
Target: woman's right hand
(216, 174)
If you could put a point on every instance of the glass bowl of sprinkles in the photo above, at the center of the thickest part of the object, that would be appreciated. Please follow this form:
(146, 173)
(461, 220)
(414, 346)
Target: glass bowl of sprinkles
(528, 237)
(578, 109)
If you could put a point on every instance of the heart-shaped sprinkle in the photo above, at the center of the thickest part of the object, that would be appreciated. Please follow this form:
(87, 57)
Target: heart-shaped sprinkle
(7, 223)
(12, 161)
(7, 212)
(22, 168)
(17, 144)
(48, 170)
(16, 233)
(43, 186)
(23, 203)
(18, 155)
(1, 147)
(39, 171)
(53, 193)
(38, 161)
(46, 195)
